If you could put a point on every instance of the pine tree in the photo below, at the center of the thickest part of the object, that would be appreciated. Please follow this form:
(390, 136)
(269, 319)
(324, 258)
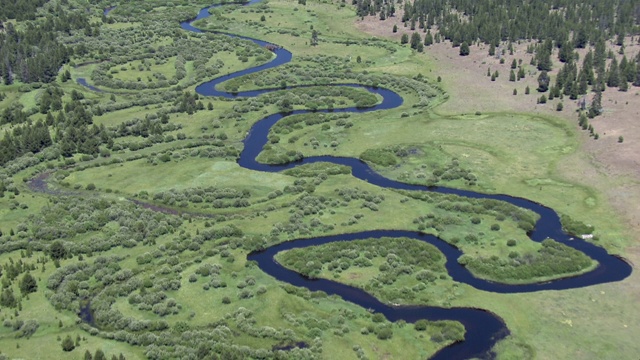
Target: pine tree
(67, 344)
(28, 284)
(415, 40)
(428, 39)
(596, 105)
(464, 49)
(613, 75)
(404, 39)
(543, 81)
(99, 355)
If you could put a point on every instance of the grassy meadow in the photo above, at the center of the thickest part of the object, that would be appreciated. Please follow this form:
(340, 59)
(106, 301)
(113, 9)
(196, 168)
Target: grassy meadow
(159, 274)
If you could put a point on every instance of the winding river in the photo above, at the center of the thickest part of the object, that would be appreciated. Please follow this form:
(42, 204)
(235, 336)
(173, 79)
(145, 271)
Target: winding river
(483, 329)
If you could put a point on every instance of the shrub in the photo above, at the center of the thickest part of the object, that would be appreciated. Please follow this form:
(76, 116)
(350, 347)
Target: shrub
(421, 325)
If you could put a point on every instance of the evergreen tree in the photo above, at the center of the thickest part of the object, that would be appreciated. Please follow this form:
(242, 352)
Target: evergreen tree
(404, 39)
(428, 39)
(28, 284)
(464, 49)
(613, 74)
(67, 344)
(57, 250)
(543, 81)
(596, 105)
(415, 40)
(7, 299)
(99, 355)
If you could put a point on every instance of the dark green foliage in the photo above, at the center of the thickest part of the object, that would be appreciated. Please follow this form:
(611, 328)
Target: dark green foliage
(99, 355)
(67, 344)
(596, 105)
(28, 284)
(464, 49)
(404, 39)
(384, 332)
(421, 325)
(415, 40)
(428, 39)
(543, 81)
(495, 21)
(318, 169)
(575, 227)
(57, 250)
(403, 257)
(553, 259)
(613, 74)
(217, 197)
(381, 157)
(7, 299)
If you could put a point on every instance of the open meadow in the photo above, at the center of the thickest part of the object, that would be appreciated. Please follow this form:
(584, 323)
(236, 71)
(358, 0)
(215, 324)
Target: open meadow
(131, 204)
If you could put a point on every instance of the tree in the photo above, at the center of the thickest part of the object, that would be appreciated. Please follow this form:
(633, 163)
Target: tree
(543, 56)
(492, 49)
(421, 325)
(28, 284)
(428, 39)
(7, 299)
(596, 105)
(404, 39)
(543, 81)
(57, 250)
(464, 49)
(67, 344)
(613, 75)
(395, 28)
(512, 75)
(99, 355)
(314, 38)
(514, 64)
(415, 40)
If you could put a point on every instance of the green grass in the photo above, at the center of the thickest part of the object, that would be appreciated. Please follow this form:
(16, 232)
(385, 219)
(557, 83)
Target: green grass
(510, 153)
(133, 70)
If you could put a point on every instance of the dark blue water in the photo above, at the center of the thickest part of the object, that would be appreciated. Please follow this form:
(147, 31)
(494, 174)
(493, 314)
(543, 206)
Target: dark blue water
(483, 329)
(83, 82)
(108, 10)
